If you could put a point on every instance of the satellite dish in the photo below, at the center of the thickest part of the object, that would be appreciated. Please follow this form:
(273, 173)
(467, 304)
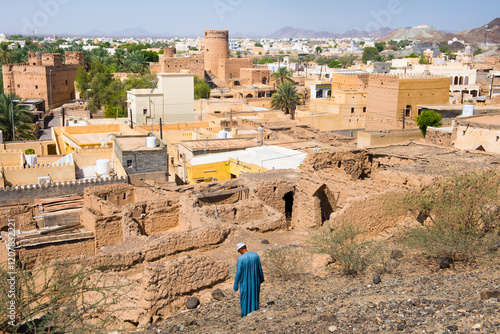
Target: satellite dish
(104, 143)
(260, 129)
(86, 119)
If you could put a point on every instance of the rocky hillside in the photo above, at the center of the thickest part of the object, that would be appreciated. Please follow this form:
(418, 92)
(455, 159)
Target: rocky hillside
(414, 298)
(422, 33)
(290, 32)
(477, 35)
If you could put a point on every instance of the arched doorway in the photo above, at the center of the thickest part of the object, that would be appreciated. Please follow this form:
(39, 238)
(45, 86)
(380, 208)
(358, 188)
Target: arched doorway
(264, 80)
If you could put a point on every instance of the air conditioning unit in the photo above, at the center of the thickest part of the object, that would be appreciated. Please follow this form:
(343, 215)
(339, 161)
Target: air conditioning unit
(43, 180)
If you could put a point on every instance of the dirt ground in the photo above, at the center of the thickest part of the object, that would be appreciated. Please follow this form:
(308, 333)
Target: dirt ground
(414, 296)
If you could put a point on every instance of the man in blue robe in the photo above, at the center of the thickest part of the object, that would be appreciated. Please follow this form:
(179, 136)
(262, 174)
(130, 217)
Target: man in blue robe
(249, 276)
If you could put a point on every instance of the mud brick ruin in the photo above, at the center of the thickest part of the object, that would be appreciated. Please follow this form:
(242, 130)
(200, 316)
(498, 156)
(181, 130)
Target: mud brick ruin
(172, 242)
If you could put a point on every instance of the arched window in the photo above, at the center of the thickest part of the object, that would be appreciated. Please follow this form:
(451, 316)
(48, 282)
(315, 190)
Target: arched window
(456, 80)
(466, 82)
(461, 80)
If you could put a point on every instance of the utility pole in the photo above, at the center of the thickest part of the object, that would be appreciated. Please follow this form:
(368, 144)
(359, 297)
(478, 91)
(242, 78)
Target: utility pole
(87, 99)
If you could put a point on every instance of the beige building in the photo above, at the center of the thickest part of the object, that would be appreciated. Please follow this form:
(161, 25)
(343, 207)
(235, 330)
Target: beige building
(394, 98)
(345, 110)
(172, 101)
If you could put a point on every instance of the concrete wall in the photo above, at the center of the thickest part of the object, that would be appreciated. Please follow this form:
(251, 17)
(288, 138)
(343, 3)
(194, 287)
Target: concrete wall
(382, 138)
(23, 175)
(11, 158)
(470, 136)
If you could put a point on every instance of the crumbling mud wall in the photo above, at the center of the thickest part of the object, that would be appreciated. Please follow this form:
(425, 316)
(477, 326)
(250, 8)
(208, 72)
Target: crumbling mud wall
(249, 214)
(114, 213)
(22, 215)
(134, 252)
(171, 281)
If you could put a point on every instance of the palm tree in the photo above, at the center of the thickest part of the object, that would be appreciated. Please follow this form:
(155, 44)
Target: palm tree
(6, 56)
(287, 99)
(24, 128)
(282, 75)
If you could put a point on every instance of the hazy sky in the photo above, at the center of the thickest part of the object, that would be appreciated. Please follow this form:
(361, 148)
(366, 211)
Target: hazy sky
(259, 17)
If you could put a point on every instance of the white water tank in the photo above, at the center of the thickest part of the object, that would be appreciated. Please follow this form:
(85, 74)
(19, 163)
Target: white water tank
(30, 159)
(151, 142)
(1, 137)
(468, 111)
(222, 134)
(102, 167)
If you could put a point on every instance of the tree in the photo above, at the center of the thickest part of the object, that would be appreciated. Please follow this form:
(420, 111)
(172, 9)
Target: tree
(60, 297)
(287, 99)
(369, 53)
(258, 45)
(478, 51)
(201, 88)
(428, 118)
(6, 56)
(423, 60)
(282, 75)
(318, 49)
(380, 46)
(23, 120)
(347, 61)
(334, 63)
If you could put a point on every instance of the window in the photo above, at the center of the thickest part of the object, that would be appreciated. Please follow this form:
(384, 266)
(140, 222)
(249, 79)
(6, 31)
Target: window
(419, 112)
(364, 109)
(408, 111)
(144, 111)
(36, 86)
(66, 82)
(129, 163)
(352, 110)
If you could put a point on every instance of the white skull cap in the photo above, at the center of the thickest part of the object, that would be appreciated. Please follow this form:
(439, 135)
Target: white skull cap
(240, 245)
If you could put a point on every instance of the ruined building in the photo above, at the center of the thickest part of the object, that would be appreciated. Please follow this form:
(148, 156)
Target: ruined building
(45, 76)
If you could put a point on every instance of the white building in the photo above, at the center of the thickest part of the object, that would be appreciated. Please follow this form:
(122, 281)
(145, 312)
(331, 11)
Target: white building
(172, 100)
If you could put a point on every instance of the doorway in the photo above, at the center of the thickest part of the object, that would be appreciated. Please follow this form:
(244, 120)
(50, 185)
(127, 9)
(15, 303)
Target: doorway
(288, 198)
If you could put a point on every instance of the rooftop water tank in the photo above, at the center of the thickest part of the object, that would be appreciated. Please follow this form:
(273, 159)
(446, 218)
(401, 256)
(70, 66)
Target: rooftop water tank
(468, 111)
(223, 134)
(151, 142)
(30, 159)
(103, 168)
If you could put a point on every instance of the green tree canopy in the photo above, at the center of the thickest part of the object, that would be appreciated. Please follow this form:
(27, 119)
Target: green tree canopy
(369, 53)
(380, 46)
(282, 75)
(287, 98)
(428, 118)
(23, 120)
(201, 88)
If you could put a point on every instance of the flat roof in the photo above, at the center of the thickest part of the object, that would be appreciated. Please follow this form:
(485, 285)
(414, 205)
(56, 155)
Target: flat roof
(269, 157)
(92, 138)
(134, 144)
(220, 144)
(483, 119)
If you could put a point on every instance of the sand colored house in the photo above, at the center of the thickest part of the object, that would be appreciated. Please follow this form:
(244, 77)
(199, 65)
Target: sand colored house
(394, 98)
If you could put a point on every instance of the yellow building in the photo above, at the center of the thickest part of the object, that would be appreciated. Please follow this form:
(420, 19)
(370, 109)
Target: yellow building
(230, 165)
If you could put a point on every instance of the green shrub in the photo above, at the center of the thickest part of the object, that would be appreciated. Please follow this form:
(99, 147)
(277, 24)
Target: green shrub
(464, 214)
(344, 245)
(29, 151)
(283, 263)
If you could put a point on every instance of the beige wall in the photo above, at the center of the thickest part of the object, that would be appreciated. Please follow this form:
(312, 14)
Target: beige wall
(470, 137)
(371, 139)
(29, 175)
(11, 158)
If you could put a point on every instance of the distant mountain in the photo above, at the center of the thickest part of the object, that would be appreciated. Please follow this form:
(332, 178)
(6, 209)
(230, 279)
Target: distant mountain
(290, 32)
(477, 35)
(422, 33)
(137, 32)
(367, 34)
